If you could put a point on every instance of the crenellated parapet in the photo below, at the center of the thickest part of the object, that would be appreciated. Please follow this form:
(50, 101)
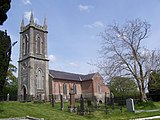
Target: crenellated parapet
(33, 24)
(36, 26)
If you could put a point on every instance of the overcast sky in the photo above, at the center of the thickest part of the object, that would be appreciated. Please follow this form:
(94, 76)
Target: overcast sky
(74, 26)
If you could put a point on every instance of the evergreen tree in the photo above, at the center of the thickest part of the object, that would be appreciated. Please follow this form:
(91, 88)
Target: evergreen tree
(5, 45)
(4, 7)
(154, 85)
(5, 54)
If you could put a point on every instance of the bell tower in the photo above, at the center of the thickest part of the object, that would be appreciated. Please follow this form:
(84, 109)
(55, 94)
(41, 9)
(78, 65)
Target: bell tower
(33, 61)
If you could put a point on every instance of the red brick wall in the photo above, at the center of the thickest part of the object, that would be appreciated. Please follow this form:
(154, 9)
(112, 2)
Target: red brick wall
(97, 79)
(87, 86)
(87, 89)
(57, 86)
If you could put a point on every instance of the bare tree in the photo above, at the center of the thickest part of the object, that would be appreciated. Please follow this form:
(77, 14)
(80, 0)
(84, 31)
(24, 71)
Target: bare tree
(123, 54)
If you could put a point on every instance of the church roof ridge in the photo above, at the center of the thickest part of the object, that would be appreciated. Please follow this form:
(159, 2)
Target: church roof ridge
(70, 76)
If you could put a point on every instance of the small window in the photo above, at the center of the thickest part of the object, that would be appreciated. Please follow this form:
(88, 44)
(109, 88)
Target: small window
(39, 44)
(64, 89)
(75, 88)
(25, 45)
(99, 89)
(39, 79)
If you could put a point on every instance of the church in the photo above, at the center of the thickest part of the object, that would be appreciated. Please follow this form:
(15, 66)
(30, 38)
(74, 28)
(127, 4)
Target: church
(37, 82)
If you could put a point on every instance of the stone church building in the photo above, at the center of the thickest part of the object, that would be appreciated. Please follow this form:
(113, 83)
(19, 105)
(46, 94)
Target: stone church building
(36, 81)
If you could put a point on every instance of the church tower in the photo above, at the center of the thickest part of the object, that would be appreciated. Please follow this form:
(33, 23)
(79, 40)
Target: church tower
(33, 61)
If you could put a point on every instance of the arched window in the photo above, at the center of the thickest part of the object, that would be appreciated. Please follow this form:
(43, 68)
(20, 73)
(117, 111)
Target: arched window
(23, 49)
(99, 88)
(65, 89)
(25, 45)
(39, 44)
(56, 85)
(75, 88)
(39, 79)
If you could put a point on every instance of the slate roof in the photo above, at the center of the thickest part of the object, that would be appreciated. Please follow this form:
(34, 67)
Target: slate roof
(70, 76)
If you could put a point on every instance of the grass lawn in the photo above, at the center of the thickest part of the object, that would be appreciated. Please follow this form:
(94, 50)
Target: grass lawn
(45, 110)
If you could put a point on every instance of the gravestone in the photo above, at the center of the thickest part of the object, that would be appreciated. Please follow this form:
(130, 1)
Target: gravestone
(40, 97)
(130, 105)
(62, 102)
(105, 102)
(82, 103)
(72, 107)
(52, 101)
(7, 97)
(112, 100)
(82, 111)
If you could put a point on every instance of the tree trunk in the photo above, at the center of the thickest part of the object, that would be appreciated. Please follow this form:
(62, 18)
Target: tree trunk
(143, 97)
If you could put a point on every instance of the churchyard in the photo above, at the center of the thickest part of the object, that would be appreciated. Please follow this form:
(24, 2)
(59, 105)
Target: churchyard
(49, 112)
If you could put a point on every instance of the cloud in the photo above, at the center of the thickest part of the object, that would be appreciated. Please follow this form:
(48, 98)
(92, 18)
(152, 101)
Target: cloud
(25, 2)
(27, 15)
(97, 24)
(85, 7)
(73, 64)
(52, 58)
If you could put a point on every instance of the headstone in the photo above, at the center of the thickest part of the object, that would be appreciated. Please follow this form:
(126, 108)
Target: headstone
(105, 99)
(112, 100)
(130, 105)
(62, 102)
(82, 105)
(8, 97)
(72, 101)
(43, 97)
(52, 101)
(40, 97)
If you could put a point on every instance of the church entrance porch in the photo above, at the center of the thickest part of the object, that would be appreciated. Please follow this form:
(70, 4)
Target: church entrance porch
(23, 96)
